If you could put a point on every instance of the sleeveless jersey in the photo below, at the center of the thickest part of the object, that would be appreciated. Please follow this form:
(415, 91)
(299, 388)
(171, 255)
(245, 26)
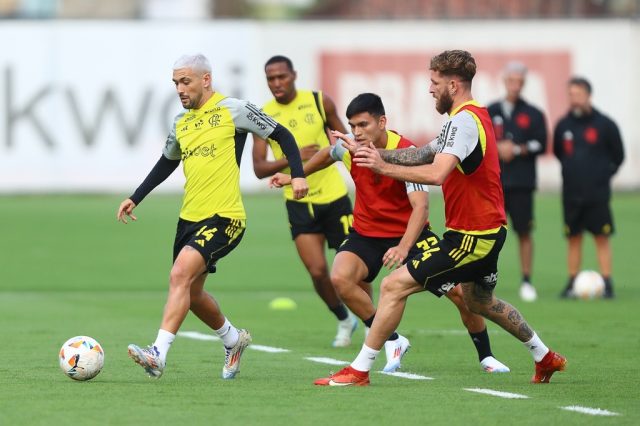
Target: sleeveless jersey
(306, 121)
(382, 207)
(473, 198)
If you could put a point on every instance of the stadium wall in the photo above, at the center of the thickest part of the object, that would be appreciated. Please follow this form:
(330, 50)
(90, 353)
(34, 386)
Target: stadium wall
(85, 106)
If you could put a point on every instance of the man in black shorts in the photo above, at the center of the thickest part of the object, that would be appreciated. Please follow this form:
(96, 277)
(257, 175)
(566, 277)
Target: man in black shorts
(521, 134)
(390, 226)
(325, 214)
(589, 147)
(208, 138)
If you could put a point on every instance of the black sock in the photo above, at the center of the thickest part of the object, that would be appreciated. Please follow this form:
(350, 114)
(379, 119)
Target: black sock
(608, 284)
(570, 281)
(369, 321)
(526, 278)
(481, 341)
(340, 312)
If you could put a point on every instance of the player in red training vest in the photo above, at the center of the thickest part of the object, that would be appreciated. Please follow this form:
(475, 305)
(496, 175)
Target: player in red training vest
(464, 161)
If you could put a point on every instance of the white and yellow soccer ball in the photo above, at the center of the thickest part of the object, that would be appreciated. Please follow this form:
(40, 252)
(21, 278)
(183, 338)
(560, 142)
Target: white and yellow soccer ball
(588, 285)
(81, 358)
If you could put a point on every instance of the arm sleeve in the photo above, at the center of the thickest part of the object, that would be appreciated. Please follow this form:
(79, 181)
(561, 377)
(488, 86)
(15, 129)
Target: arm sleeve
(290, 149)
(538, 143)
(615, 147)
(160, 172)
(557, 143)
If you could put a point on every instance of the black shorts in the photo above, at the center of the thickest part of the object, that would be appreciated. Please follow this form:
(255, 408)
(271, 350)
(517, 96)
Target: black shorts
(518, 204)
(458, 258)
(214, 238)
(372, 249)
(332, 220)
(594, 217)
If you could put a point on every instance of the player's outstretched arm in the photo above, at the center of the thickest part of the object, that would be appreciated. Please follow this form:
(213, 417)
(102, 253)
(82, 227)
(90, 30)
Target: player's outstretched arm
(160, 172)
(430, 174)
(290, 149)
(411, 156)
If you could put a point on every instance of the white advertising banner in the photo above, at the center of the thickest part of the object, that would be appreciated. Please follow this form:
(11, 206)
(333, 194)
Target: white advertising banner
(85, 106)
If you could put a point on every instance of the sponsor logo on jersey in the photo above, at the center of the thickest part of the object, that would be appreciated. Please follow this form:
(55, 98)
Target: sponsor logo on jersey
(256, 120)
(201, 151)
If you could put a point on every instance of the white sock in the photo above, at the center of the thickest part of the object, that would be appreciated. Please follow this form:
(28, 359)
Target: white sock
(163, 343)
(365, 359)
(228, 333)
(537, 348)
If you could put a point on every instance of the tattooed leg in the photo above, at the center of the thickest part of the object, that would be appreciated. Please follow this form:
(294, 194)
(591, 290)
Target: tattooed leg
(482, 301)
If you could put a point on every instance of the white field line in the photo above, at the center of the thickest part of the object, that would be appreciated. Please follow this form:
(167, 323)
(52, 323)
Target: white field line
(407, 375)
(201, 336)
(452, 332)
(323, 360)
(590, 411)
(497, 393)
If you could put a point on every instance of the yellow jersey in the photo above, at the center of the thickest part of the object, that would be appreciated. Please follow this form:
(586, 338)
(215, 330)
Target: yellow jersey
(209, 141)
(305, 118)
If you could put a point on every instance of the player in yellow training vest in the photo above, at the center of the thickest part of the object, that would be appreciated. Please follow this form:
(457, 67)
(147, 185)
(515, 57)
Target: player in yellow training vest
(325, 214)
(208, 137)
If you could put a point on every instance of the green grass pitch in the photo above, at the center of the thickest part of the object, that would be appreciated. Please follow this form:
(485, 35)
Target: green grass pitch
(68, 268)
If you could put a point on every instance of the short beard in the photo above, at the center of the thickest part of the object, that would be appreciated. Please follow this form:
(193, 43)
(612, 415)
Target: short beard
(445, 103)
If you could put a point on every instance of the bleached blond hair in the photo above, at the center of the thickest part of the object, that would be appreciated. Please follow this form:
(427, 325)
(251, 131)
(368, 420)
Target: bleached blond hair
(197, 62)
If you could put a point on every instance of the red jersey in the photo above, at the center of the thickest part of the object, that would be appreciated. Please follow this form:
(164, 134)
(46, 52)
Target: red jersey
(382, 208)
(473, 195)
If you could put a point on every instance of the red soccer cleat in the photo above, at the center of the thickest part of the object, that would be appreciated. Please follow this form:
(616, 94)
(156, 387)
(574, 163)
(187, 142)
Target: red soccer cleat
(345, 377)
(551, 363)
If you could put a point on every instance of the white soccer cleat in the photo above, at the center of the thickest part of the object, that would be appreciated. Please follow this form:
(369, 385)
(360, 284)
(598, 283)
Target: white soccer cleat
(492, 365)
(528, 292)
(148, 358)
(346, 328)
(232, 355)
(395, 350)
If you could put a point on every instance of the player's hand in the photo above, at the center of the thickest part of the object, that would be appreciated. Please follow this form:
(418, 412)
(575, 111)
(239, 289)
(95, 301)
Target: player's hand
(394, 257)
(300, 187)
(309, 151)
(348, 143)
(126, 209)
(279, 180)
(369, 157)
(505, 150)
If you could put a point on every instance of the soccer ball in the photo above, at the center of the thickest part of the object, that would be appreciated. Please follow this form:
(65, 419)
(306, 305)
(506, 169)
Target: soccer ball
(81, 358)
(588, 285)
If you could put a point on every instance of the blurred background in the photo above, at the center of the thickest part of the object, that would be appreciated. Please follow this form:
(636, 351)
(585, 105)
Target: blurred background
(86, 97)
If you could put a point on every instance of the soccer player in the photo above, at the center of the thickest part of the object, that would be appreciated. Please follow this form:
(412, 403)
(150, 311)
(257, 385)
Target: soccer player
(589, 147)
(521, 133)
(464, 160)
(390, 226)
(325, 214)
(208, 138)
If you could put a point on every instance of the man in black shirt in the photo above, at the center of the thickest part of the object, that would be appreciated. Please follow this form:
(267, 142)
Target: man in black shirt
(589, 147)
(521, 133)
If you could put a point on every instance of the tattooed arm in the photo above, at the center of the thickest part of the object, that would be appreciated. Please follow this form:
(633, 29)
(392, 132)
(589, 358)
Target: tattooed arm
(411, 156)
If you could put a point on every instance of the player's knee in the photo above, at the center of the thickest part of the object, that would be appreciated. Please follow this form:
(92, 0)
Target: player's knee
(389, 287)
(318, 273)
(180, 277)
(341, 283)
